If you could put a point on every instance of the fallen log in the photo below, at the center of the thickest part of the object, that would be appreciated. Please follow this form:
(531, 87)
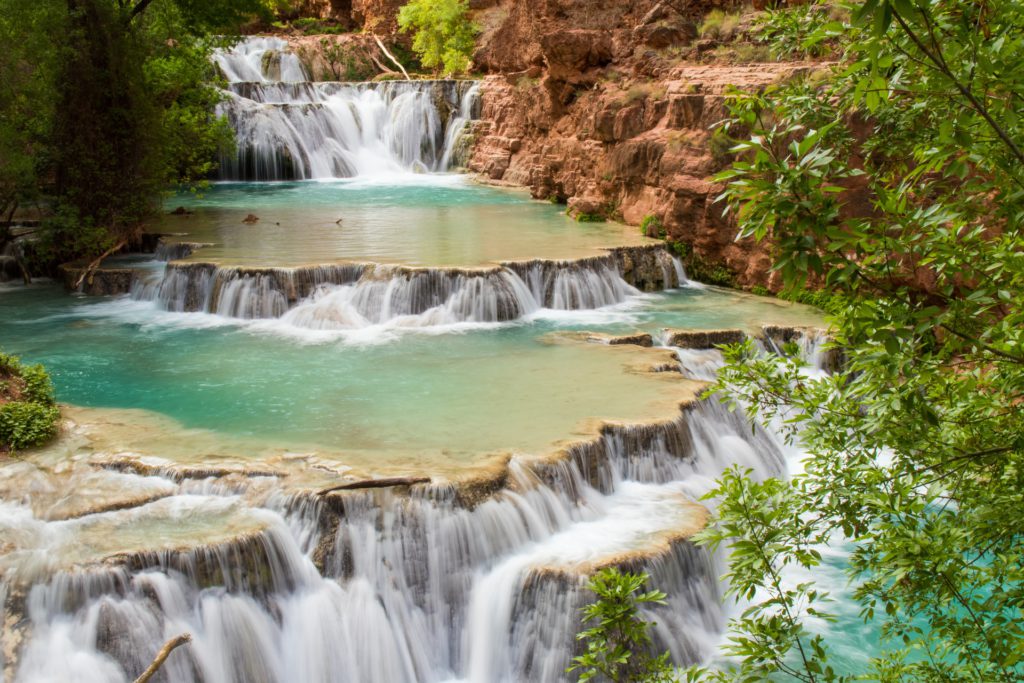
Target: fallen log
(375, 484)
(391, 57)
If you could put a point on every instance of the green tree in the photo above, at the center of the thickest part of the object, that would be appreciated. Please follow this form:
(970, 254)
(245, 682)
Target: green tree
(134, 112)
(895, 180)
(101, 122)
(27, 65)
(444, 35)
(618, 642)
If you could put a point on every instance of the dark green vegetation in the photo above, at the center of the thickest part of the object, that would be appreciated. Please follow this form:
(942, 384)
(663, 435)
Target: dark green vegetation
(617, 642)
(651, 226)
(99, 123)
(443, 35)
(708, 272)
(895, 183)
(28, 410)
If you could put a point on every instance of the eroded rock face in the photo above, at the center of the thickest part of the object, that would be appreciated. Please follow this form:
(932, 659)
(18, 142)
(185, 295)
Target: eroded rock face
(608, 106)
(627, 149)
(569, 54)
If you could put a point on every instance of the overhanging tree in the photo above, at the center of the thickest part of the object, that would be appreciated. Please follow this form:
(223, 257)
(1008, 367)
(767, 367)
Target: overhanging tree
(121, 107)
(895, 180)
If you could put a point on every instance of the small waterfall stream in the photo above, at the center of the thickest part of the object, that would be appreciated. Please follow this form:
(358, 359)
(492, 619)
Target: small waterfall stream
(290, 128)
(353, 296)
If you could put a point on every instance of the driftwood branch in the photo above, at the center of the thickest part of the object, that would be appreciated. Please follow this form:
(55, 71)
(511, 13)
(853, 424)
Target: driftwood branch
(391, 57)
(380, 65)
(376, 484)
(162, 656)
(25, 275)
(91, 268)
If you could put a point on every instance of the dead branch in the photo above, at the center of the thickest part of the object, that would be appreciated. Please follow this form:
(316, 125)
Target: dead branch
(91, 268)
(391, 57)
(377, 63)
(162, 656)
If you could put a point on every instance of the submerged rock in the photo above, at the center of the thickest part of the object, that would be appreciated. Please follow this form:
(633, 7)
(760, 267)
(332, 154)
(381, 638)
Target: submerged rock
(703, 339)
(100, 282)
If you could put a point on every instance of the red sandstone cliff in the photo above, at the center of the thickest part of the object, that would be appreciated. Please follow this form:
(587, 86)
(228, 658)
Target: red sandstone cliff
(607, 106)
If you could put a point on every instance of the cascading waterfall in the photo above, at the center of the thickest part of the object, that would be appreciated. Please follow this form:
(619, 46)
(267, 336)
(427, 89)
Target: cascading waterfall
(290, 128)
(478, 580)
(434, 584)
(352, 296)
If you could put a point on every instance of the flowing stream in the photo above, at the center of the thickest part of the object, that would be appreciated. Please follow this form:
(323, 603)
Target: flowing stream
(497, 440)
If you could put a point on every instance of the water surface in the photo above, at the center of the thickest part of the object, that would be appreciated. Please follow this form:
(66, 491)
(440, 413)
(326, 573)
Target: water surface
(419, 220)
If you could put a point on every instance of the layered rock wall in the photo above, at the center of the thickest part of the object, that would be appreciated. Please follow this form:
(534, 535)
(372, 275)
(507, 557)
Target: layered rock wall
(609, 108)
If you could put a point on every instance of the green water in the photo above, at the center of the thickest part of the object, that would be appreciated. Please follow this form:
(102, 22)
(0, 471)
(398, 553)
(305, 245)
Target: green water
(437, 221)
(444, 394)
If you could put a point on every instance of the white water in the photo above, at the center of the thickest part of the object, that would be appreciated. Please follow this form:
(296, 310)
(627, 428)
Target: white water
(350, 297)
(406, 587)
(290, 128)
(392, 587)
(414, 588)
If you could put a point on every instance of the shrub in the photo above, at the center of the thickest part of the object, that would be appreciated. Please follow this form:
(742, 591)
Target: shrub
(643, 91)
(618, 643)
(651, 226)
(28, 410)
(720, 146)
(443, 33)
(38, 387)
(719, 25)
(743, 53)
(708, 272)
(24, 424)
(795, 32)
(827, 301)
(758, 290)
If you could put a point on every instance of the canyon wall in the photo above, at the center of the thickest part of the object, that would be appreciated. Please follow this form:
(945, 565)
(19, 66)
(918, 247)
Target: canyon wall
(606, 106)
(609, 108)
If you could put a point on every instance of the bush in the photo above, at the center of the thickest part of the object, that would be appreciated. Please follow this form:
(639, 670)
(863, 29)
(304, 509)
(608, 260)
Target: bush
(643, 91)
(710, 273)
(618, 644)
(28, 409)
(24, 424)
(794, 32)
(743, 53)
(651, 226)
(38, 387)
(444, 36)
(719, 25)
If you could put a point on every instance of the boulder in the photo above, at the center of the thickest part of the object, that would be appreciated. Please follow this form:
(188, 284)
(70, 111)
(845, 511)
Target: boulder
(568, 54)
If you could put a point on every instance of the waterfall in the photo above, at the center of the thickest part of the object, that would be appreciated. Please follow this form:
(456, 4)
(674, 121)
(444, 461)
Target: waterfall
(352, 296)
(290, 128)
(437, 582)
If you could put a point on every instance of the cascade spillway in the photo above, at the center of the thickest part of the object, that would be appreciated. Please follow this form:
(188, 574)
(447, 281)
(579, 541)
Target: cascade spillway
(424, 509)
(288, 127)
